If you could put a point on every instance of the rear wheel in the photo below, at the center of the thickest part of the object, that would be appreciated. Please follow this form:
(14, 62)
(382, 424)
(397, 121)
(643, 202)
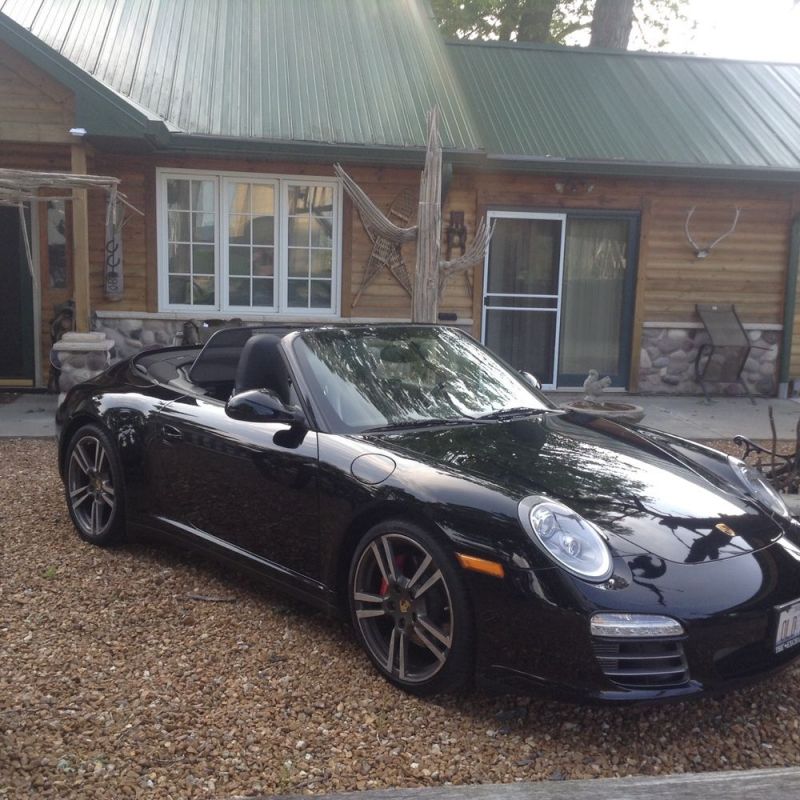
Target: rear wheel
(94, 488)
(410, 609)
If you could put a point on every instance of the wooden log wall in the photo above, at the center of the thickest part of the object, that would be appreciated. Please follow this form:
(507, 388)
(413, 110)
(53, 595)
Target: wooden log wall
(36, 114)
(33, 107)
(384, 298)
(748, 268)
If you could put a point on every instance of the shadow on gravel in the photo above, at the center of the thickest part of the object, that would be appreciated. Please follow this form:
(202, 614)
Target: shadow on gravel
(669, 737)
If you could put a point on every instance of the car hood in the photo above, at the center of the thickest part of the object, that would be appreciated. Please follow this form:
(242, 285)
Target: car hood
(646, 498)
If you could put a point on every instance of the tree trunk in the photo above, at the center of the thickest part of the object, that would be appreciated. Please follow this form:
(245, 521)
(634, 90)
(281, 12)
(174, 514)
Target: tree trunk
(611, 24)
(534, 20)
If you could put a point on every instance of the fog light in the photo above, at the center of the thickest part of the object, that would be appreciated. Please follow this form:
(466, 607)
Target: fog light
(634, 625)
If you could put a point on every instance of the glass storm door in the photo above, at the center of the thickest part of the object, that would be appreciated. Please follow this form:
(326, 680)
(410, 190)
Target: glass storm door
(559, 294)
(522, 280)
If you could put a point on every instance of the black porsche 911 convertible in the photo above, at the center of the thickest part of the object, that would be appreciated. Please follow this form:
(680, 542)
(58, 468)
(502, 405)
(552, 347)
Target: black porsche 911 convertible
(405, 476)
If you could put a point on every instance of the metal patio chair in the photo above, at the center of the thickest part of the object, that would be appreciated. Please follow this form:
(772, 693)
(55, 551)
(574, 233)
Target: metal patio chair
(722, 359)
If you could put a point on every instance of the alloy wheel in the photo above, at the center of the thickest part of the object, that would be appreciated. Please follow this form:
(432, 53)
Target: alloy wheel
(90, 486)
(403, 608)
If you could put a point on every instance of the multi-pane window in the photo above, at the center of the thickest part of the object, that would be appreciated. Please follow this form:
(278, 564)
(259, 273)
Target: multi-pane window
(251, 244)
(191, 242)
(242, 243)
(310, 243)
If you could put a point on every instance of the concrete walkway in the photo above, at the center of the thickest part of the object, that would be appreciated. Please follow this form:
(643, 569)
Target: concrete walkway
(760, 784)
(29, 415)
(690, 417)
(723, 418)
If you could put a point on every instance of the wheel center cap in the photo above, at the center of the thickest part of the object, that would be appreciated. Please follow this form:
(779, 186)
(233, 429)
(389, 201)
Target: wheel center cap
(405, 606)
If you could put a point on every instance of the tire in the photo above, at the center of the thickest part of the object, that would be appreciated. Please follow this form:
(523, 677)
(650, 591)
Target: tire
(94, 487)
(410, 609)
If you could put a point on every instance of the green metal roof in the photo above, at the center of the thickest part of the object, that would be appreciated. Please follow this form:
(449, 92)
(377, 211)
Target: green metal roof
(573, 105)
(322, 71)
(325, 78)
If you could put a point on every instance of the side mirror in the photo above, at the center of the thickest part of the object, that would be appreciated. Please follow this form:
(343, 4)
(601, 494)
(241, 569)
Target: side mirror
(531, 379)
(262, 405)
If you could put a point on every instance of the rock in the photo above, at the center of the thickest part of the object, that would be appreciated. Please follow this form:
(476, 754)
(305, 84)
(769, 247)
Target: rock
(767, 368)
(645, 362)
(670, 380)
(770, 337)
(669, 344)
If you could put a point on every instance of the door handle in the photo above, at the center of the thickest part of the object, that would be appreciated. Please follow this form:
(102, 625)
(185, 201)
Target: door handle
(171, 434)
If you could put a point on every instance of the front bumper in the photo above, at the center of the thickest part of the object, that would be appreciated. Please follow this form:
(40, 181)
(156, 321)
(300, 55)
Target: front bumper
(534, 634)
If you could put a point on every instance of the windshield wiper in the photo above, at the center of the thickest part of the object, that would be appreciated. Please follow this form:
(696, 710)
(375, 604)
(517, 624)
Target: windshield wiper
(433, 422)
(518, 411)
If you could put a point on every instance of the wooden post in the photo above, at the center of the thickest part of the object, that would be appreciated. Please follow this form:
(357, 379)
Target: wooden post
(638, 308)
(425, 297)
(80, 239)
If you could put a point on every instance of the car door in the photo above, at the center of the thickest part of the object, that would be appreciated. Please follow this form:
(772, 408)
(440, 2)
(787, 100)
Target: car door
(231, 484)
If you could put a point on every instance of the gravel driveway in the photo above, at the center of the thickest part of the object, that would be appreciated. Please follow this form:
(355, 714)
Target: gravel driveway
(117, 680)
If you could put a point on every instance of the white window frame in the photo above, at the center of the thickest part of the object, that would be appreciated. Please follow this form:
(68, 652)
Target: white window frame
(221, 179)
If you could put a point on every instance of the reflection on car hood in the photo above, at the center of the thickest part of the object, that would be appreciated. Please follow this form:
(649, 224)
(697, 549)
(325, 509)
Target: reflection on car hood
(644, 497)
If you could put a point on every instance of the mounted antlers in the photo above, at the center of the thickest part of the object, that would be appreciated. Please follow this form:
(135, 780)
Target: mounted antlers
(704, 252)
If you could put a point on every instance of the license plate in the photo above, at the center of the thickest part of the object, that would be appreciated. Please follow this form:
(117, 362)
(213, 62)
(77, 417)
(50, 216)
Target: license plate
(788, 633)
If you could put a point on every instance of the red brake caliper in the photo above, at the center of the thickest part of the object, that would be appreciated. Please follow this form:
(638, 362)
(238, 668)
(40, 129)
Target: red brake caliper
(399, 563)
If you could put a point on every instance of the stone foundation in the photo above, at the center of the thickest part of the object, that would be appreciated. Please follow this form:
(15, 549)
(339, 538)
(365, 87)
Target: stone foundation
(666, 360)
(668, 357)
(131, 335)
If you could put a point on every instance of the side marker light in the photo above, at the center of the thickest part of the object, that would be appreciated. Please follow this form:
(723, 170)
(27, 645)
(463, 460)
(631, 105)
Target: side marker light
(481, 565)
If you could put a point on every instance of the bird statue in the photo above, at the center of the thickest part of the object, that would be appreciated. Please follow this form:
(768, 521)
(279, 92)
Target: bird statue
(594, 386)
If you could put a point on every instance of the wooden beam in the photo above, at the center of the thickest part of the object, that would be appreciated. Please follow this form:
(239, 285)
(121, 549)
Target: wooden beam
(80, 243)
(638, 308)
(347, 257)
(151, 240)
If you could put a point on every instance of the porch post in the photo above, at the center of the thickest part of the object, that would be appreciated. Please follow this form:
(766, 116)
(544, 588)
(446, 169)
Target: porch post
(80, 240)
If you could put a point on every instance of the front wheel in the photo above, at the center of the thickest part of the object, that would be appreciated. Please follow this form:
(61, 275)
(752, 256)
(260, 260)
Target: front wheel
(410, 609)
(94, 487)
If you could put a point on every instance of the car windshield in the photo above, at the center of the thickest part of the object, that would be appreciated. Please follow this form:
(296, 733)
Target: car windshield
(385, 377)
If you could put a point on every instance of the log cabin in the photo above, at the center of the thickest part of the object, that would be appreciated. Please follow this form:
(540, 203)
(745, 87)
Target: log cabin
(607, 177)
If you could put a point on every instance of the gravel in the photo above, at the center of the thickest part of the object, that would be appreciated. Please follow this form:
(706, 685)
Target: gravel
(146, 672)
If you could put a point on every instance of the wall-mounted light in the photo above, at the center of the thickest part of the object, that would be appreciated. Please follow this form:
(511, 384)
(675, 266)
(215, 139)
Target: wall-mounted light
(79, 132)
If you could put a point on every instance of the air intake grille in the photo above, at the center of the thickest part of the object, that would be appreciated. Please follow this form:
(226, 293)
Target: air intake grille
(642, 663)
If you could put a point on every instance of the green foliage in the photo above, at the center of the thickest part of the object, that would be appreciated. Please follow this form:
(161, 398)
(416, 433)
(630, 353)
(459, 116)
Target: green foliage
(510, 20)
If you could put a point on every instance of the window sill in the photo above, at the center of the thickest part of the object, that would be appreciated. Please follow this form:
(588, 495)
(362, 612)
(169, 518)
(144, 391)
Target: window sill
(200, 314)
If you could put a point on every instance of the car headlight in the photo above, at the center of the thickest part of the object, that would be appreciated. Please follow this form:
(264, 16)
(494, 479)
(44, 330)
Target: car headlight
(756, 485)
(568, 538)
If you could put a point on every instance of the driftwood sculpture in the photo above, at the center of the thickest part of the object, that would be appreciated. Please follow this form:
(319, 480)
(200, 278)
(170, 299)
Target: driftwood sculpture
(431, 273)
(386, 254)
(782, 470)
(18, 187)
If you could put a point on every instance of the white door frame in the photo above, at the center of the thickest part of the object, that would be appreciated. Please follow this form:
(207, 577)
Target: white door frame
(562, 218)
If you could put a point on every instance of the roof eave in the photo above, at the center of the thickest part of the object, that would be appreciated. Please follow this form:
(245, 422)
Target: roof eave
(398, 155)
(636, 169)
(98, 109)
